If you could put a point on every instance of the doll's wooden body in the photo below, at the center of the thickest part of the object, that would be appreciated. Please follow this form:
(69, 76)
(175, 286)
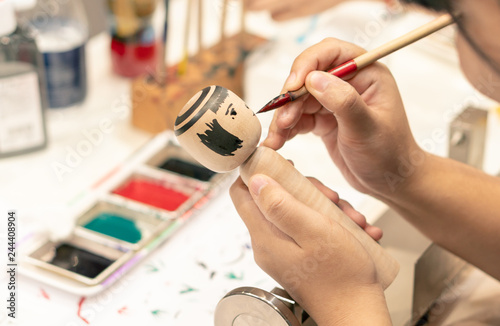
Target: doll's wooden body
(221, 132)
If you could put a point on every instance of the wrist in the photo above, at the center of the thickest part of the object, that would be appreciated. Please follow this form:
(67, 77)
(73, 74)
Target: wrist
(364, 305)
(406, 174)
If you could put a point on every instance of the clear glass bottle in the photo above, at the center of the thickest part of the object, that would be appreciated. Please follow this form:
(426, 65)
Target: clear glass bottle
(61, 32)
(22, 88)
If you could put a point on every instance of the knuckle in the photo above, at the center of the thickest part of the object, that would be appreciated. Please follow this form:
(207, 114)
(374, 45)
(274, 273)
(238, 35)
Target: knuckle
(277, 207)
(237, 189)
(350, 49)
(261, 254)
(329, 40)
(349, 100)
(233, 190)
(259, 259)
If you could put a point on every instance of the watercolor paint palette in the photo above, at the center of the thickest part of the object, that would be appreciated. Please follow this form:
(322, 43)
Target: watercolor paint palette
(128, 214)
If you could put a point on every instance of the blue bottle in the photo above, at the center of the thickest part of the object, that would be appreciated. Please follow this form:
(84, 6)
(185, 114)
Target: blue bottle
(61, 31)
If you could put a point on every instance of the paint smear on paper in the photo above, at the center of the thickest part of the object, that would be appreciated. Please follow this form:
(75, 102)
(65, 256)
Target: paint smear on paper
(45, 294)
(154, 268)
(157, 312)
(122, 310)
(188, 289)
(79, 312)
(233, 276)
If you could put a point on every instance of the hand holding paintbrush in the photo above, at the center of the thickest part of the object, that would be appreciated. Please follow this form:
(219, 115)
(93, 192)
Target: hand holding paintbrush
(366, 59)
(222, 133)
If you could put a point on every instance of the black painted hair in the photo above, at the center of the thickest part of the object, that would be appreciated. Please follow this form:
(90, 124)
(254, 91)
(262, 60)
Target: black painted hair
(218, 97)
(220, 140)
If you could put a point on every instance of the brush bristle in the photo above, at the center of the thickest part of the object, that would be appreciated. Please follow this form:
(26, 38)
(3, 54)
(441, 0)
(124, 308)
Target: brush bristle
(276, 102)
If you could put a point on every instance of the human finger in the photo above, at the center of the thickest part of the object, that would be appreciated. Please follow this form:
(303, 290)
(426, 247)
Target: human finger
(289, 215)
(329, 193)
(322, 56)
(258, 226)
(360, 219)
(342, 99)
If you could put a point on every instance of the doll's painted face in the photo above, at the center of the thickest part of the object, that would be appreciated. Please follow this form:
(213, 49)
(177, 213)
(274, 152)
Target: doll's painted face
(218, 129)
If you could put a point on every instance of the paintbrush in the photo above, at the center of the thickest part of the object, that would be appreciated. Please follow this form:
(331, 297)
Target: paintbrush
(356, 64)
(182, 67)
(200, 25)
(223, 21)
(162, 65)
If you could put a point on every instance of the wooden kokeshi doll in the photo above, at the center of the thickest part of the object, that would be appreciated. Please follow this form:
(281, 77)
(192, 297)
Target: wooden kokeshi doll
(219, 130)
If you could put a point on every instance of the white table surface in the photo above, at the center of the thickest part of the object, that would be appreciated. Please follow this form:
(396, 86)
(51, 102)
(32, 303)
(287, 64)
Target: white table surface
(171, 287)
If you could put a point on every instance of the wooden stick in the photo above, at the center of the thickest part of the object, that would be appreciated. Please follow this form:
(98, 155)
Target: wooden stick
(200, 25)
(162, 64)
(348, 68)
(223, 20)
(402, 41)
(187, 28)
(243, 18)
(243, 27)
(268, 162)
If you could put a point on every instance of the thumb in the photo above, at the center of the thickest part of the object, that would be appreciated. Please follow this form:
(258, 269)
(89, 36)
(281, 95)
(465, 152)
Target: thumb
(342, 99)
(286, 213)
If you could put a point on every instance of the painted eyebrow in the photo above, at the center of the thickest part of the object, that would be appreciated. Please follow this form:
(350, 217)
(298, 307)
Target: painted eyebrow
(229, 107)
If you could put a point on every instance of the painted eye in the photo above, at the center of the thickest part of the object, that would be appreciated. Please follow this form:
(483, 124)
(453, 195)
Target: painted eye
(253, 113)
(231, 111)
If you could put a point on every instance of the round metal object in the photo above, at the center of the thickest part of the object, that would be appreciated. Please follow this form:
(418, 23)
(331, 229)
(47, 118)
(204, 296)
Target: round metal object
(249, 306)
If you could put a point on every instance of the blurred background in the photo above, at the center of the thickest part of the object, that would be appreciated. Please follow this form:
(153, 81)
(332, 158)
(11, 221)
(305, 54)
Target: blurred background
(96, 12)
(103, 137)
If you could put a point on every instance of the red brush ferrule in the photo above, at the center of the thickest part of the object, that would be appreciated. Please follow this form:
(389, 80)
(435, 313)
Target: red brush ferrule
(344, 69)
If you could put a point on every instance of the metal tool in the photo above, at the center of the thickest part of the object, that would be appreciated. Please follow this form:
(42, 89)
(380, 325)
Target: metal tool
(249, 306)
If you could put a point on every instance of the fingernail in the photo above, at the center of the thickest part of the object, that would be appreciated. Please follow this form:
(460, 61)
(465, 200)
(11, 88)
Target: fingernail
(290, 80)
(257, 183)
(319, 81)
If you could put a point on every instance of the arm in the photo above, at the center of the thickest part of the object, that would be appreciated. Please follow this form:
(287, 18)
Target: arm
(455, 205)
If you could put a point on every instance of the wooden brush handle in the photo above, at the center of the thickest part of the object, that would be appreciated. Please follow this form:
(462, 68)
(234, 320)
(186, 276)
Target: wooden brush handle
(367, 58)
(268, 162)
